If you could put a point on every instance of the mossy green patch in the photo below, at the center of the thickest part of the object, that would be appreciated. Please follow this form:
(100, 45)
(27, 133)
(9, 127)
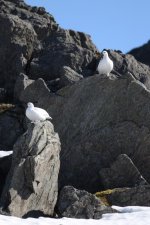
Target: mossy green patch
(4, 107)
(102, 195)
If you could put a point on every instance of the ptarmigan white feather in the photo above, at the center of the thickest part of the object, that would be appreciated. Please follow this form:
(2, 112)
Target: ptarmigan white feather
(105, 65)
(36, 114)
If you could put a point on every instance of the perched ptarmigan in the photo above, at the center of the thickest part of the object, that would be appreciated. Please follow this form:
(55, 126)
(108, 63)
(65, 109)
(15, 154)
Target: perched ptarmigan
(36, 114)
(105, 65)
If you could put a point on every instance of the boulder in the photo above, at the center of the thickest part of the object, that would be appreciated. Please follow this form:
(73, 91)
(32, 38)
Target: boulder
(122, 173)
(22, 82)
(137, 196)
(142, 53)
(101, 118)
(4, 213)
(69, 76)
(124, 63)
(27, 90)
(32, 90)
(32, 184)
(64, 48)
(80, 204)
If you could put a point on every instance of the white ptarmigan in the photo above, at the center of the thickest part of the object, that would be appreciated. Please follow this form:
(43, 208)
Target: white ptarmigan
(36, 114)
(105, 65)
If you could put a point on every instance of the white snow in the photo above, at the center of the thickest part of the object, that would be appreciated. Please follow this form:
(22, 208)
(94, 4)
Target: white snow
(132, 215)
(5, 153)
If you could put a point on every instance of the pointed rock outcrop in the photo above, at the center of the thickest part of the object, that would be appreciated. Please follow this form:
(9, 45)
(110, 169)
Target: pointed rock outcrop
(32, 184)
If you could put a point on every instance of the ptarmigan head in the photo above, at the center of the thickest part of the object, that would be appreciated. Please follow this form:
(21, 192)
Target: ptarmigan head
(30, 105)
(105, 53)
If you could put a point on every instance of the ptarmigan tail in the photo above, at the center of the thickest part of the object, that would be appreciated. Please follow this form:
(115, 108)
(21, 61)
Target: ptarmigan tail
(49, 118)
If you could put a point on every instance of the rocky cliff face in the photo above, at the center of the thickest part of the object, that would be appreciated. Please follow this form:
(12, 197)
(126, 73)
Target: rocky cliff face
(103, 123)
(142, 53)
(31, 42)
(100, 119)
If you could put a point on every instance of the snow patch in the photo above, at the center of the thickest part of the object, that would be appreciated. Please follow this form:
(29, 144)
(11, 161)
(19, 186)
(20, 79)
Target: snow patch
(5, 153)
(131, 215)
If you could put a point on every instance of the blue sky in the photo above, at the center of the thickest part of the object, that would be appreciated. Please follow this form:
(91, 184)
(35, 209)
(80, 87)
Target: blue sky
(114, 24)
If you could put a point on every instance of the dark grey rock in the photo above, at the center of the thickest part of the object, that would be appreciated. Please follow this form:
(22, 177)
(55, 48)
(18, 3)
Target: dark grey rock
(34, 44)
(22, 28)
(32, 183)
(21, 84)
(124, 63)
(11, 120)
(16, 1)
(54, 85)
(122, 173)
(93, 116)
(142, 53)
(42, 22)
(100, 119)
(80, 204)
(137, 196)
(5, 164)
(4, 213)
(33, 91)
(3, 95)
(69, 76)
(63, 48)
(17, 38)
